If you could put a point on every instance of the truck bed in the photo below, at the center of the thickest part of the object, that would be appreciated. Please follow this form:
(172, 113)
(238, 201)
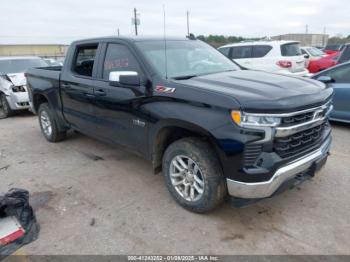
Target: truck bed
(44, 79)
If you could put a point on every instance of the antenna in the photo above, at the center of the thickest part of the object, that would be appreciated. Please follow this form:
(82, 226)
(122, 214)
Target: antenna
(165, 45)
(188, 23)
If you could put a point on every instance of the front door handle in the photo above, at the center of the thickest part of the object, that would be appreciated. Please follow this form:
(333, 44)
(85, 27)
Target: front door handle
(100, 92)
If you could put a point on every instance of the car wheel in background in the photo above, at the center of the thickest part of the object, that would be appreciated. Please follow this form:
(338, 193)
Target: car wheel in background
(48, 124)
(193, 175)
(5, 110)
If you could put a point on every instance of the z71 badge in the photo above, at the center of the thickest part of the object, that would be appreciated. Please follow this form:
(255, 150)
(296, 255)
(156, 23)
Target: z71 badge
(163, 89)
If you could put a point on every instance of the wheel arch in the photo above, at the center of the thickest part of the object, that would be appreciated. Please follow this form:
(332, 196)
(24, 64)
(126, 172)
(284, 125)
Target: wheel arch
(39, 99)
(171, 131)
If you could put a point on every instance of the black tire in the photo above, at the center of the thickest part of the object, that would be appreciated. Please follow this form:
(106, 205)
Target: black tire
(55, 135)
(5, 110)
(215, 188)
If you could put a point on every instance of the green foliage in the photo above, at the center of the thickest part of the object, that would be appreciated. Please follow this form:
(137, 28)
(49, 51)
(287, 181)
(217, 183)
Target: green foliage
(338, 40)
(220, 40)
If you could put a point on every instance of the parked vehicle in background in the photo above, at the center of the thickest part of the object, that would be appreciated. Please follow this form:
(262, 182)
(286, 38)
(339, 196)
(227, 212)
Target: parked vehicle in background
(345, 54)
(312, 53)
(317, 59)
(333, 48)
(210, 127)
(53, 62)
(282, 57)
(338, 78)
(13, 89)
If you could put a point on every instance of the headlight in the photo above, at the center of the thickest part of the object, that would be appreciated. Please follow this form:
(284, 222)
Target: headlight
(246, 119)
(16, 89)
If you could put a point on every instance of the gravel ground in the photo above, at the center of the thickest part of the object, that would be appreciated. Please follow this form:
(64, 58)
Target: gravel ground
(91, 198)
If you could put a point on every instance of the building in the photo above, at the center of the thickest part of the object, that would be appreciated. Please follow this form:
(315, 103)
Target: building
(52, 51)
(319, 40)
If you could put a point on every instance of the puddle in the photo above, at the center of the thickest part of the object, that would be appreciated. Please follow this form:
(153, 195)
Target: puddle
(93, 156)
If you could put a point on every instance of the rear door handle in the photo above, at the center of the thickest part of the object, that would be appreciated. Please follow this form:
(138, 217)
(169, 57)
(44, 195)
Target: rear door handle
(66, 86)
(100, 92)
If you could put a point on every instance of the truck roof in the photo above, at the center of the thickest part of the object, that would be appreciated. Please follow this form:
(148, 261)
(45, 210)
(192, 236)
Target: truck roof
(132, 39)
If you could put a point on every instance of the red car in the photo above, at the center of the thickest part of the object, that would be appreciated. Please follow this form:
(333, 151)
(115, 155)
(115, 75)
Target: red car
(332, 49)
(318, 60)
(322, 63)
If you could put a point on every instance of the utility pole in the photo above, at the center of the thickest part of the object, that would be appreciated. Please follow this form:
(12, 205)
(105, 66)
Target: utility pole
(307, 29)
(188, 23)
(324, 37)
(135, 20)
(118, 31)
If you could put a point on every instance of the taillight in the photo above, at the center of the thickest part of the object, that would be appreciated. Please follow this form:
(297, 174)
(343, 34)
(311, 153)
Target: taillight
(284, 63)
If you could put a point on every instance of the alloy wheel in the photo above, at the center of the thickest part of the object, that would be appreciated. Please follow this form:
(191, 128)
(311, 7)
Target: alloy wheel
(186, 177)
(46, 123)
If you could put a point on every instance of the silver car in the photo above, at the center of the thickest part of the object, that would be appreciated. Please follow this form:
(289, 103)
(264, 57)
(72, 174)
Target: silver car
(13, 88)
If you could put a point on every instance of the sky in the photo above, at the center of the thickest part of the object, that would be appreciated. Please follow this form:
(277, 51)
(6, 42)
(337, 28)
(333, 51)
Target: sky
(62, 21)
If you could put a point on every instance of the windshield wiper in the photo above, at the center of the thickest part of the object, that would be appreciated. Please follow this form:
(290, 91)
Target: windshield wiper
(184, 77)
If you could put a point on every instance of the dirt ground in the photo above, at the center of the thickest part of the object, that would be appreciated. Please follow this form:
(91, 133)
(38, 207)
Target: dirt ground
(91, 198)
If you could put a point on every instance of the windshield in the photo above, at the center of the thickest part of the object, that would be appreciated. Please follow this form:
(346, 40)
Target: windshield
(185, 58)
(20, 65)
(315, 52)
(333, 47)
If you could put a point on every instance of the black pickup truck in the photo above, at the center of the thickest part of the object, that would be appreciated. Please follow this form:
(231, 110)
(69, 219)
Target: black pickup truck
(213, 129)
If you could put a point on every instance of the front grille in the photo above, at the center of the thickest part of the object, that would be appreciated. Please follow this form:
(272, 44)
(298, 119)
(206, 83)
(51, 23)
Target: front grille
(251, 153)
(316, 113)
(299, 142)
(23, 104)
(297, 119)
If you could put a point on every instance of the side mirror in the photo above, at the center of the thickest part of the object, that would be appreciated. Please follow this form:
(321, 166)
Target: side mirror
(124, 78)
(306, 56)
(325, 79)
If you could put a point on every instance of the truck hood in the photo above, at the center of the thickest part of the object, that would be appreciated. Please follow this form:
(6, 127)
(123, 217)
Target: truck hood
(258, 91)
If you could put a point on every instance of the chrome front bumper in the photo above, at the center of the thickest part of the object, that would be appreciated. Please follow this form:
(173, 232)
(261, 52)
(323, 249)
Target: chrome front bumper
(285, 173)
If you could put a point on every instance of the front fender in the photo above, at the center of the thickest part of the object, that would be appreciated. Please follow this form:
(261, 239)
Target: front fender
(5, 86)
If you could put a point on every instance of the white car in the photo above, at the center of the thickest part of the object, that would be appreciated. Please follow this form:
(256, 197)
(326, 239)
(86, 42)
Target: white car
(282, 57)
(13, 89)
(312, 53)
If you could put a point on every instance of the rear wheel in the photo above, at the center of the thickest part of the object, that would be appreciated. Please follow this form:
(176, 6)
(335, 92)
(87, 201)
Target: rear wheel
(48, 124)
(193, 175)
(5, 110)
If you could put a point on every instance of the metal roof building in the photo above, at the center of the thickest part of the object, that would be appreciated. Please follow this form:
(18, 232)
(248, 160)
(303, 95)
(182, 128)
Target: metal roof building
(33, 50)
(319, 40)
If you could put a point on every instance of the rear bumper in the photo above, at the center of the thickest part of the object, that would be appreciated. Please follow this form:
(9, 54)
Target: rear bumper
(311, 162)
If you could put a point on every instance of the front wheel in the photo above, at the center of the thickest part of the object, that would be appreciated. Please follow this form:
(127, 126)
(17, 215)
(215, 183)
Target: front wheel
(5, 110)
(48, 124)
(193, 175)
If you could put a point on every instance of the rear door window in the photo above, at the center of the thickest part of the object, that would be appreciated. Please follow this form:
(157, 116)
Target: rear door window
(261, 50)
(84, 60)
(240, 52)
(292, 49)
